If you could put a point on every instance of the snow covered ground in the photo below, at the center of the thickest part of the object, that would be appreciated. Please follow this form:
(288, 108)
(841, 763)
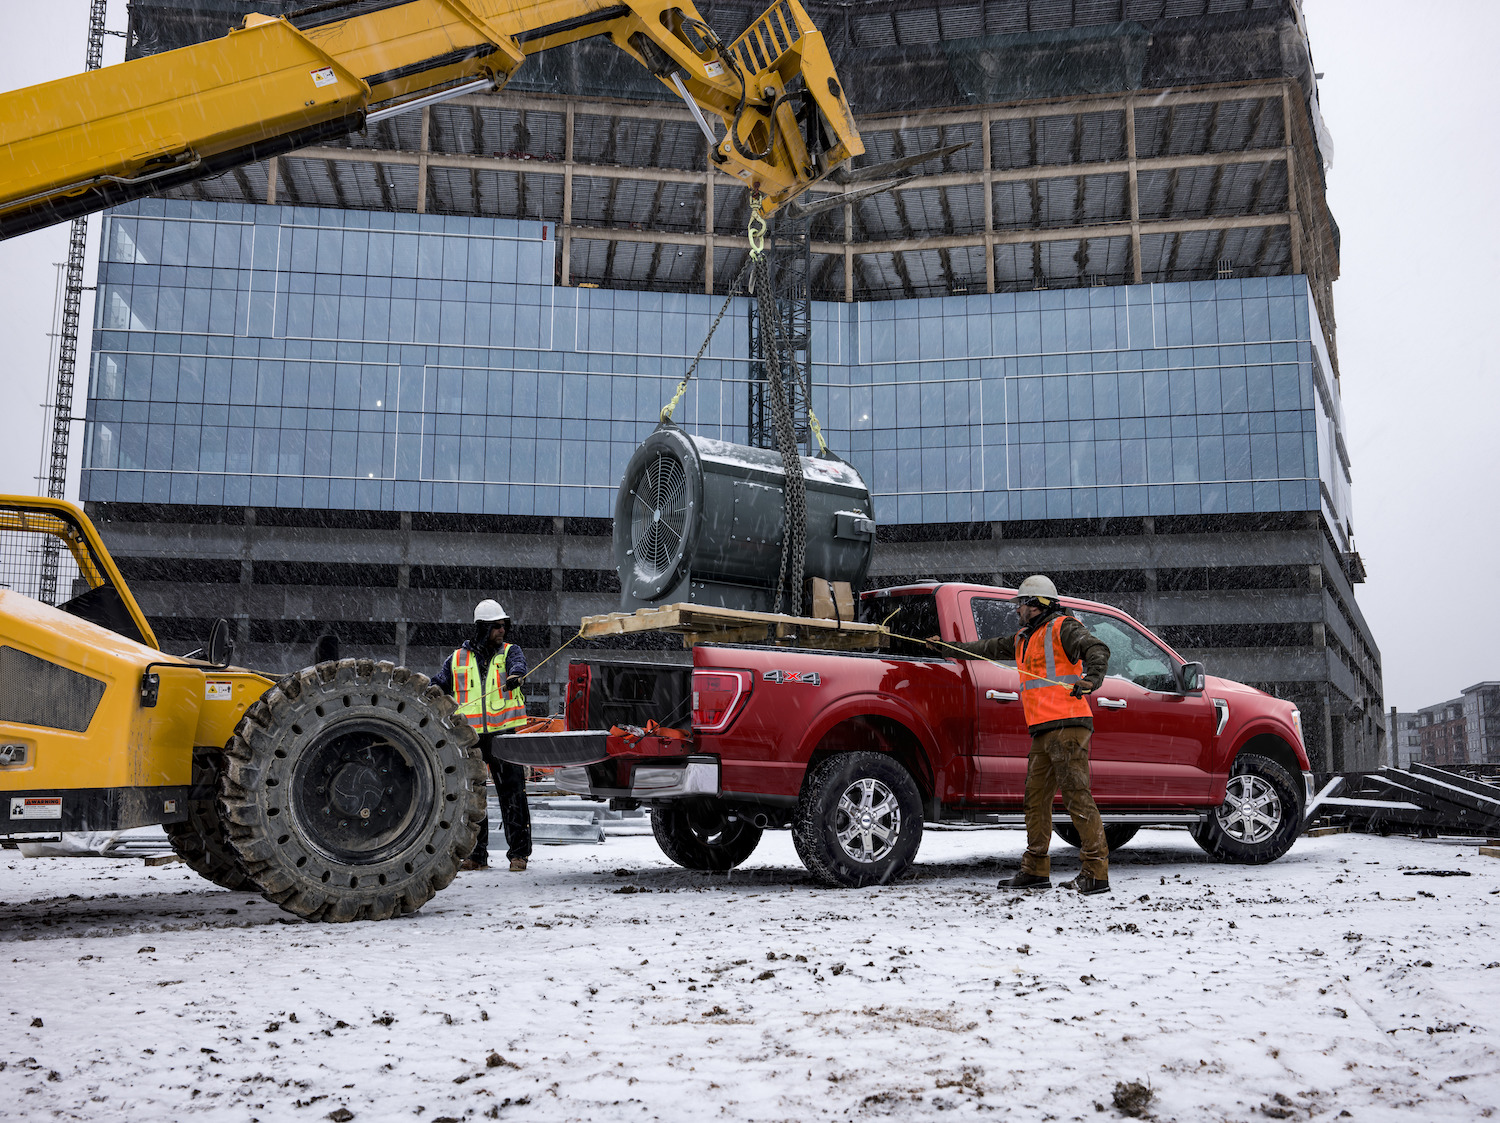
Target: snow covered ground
(606, 984)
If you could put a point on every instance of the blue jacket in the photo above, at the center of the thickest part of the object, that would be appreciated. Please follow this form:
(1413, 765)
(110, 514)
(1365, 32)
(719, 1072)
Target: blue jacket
(515, 664)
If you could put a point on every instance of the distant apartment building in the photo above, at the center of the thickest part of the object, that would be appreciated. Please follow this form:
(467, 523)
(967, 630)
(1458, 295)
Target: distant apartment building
(1442, 733)
(1406, 738)
(1481, 704)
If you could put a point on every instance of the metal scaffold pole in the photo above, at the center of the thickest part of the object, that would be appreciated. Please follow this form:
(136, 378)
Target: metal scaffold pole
(67, 341)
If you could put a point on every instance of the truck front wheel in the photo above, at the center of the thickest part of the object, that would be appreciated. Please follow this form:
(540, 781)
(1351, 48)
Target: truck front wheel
(859, 820)
(351, 793)
(1259, 818)
(699, 834)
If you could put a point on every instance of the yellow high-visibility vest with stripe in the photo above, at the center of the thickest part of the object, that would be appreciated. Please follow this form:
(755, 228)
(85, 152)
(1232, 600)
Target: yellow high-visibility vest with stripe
(485, 704)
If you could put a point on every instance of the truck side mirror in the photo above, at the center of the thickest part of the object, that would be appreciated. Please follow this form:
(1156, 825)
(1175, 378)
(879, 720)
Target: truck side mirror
(1192, 677)
(220, 647)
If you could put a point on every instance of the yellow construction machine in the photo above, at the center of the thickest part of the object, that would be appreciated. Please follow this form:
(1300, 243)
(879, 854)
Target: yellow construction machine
(87, 142)
(347, 790)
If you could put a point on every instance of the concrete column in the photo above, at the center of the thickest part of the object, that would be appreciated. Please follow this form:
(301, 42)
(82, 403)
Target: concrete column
(708, 230)
(422, 161)
(1294, 220)
(988, 182)
(247, 579)
(567, 215)
(403, 583)
(848, 253)
(273, 173)
(1133, 190)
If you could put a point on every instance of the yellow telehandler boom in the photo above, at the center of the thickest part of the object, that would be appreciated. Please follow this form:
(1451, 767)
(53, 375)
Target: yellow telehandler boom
(83, 143)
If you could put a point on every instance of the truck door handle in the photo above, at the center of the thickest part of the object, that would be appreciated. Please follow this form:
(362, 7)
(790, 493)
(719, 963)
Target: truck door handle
(1002, 695)
(1112, 703)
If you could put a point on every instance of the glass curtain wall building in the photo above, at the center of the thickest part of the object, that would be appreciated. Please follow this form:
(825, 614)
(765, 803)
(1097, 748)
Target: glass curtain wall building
(302, 357)
(354, 389)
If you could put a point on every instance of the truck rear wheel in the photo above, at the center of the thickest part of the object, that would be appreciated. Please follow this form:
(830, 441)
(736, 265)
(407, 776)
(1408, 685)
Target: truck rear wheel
(1260, 817)
(859, 820)
(1116, 835)
(698, 834)
(200, 841)
(351, 793)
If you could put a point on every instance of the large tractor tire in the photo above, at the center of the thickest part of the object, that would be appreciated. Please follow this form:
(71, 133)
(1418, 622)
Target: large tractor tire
(201, 841)
(351, 792)
(699, 834)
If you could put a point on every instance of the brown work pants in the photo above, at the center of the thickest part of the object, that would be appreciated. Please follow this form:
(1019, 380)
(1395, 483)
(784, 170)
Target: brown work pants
(1059, 758)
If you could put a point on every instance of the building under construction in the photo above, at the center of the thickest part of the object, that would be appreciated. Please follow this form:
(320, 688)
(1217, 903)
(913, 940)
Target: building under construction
(352, 390)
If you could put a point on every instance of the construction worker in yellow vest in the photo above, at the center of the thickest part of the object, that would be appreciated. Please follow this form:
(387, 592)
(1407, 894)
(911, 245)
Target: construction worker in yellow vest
(484, 677)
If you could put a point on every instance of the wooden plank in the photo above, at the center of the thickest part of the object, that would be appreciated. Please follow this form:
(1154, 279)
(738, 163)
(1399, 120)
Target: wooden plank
(731, 625)
(698, 623)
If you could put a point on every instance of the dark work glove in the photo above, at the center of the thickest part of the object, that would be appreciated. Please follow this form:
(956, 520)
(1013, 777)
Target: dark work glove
(513, 682)
(1081, 688)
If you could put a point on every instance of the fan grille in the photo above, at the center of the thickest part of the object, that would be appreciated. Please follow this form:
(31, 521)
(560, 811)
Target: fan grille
(658, 515)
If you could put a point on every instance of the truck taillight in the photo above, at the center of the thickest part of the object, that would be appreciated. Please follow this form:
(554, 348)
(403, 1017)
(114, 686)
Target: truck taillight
(576, 703)
(717, 697)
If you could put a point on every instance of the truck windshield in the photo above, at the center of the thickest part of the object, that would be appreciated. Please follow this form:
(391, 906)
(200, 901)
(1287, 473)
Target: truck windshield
(911, 618)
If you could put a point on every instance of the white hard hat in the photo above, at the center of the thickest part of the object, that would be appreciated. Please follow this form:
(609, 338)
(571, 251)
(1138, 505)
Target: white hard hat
(490, 610)
(1037, 586)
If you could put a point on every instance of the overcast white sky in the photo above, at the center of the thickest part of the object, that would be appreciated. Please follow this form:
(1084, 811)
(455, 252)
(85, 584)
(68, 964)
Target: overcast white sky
(1409, 97)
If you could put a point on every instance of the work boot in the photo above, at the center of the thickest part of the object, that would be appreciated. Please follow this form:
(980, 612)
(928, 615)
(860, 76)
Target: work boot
(1087, 886)
(473, 864)
(1023, 880)
(518, 865)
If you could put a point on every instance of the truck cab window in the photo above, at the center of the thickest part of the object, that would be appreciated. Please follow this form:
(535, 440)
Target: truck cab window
(1133, 655)
(911, 620)
(995, 618)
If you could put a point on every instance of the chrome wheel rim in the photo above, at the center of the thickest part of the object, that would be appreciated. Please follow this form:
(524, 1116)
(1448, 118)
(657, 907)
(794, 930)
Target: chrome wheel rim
(1251, 811)
(868, 820)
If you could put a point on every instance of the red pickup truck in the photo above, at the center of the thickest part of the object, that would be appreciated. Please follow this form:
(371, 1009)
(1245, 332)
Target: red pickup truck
(854, 752)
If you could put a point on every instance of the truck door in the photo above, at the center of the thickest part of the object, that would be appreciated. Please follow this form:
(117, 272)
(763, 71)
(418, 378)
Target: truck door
(1001, 741)
(1152, 744)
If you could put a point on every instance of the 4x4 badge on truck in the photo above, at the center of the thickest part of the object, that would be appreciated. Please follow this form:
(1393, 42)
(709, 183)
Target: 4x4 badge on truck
(806, 678)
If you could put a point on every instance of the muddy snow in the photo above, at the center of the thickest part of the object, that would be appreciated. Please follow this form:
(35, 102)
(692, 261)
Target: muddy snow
(607, 984)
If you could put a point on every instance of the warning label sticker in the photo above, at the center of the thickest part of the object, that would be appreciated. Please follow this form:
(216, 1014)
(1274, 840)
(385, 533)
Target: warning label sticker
(36, 807)
(713, 69)
(324, 76)
(216, 690)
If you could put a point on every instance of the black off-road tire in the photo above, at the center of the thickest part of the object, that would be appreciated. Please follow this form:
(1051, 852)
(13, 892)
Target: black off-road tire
(351, 792)
(200, 841)
(1223, 835)
(697, 834)
(1116, 835)
(822, 817)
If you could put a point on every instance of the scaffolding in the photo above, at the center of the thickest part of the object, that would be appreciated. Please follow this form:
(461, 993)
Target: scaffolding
(61, 398)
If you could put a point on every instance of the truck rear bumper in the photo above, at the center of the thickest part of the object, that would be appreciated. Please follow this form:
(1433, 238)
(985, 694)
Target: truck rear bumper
(650, 780)
(570, 749)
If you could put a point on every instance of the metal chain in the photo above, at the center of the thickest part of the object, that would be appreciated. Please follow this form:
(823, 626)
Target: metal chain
(794, 536)
(734, 290)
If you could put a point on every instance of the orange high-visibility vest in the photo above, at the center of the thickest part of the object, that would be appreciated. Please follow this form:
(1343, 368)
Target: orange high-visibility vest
(1044, 665)
(485, 704)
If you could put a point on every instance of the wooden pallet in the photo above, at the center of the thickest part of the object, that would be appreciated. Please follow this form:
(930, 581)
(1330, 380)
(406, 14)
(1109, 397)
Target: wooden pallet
(698, 623)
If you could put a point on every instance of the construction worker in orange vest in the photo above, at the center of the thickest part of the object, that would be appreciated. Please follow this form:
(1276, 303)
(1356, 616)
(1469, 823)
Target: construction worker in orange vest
(1060, 662)
(484, 677)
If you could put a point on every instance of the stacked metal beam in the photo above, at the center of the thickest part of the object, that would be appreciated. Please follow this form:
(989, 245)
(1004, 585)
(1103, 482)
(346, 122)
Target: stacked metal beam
(1419, 799)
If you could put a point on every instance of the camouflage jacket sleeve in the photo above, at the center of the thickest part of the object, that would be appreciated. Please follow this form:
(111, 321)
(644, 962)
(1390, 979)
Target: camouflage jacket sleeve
(1001, 647)
(1081, 644)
